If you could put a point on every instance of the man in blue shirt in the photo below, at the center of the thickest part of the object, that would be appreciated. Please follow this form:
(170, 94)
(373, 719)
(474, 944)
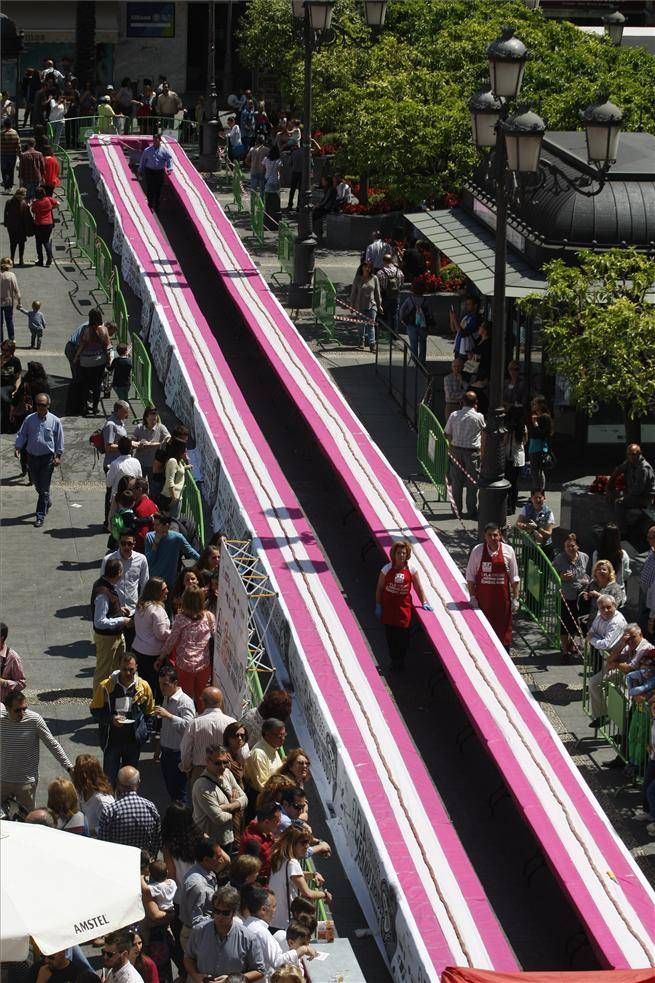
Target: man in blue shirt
(42, 436)
(155, 159)
(164, 548)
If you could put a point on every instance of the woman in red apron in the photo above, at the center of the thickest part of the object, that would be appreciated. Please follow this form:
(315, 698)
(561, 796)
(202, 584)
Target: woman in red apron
(393, 600)
(492, 578)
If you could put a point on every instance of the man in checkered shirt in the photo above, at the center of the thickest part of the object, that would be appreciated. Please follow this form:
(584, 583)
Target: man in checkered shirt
(131, 819)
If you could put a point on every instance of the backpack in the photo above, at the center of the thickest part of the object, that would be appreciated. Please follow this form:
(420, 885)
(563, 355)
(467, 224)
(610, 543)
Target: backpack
(392, 288)
(119, 521)
(97, 442)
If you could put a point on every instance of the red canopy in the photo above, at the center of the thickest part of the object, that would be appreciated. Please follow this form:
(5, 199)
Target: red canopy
(455, 974)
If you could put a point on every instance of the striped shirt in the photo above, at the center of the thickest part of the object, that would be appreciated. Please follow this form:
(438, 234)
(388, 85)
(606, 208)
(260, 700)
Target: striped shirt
(203, 732)
(19, 747)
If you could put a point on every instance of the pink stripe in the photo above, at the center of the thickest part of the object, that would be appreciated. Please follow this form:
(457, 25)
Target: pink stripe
(615, 854)
(408, 877)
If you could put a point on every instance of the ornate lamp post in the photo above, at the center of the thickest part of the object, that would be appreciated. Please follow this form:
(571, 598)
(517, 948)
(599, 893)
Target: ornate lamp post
(211, 124)
(614, 26)
(317, 30)
(517, 139)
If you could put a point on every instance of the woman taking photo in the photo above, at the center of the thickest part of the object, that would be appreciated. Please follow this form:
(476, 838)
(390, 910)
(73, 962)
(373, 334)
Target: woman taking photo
(393, 600)
(152, 628)
(191, 634)
(93, 787)
(43, 207)
(64, 804)
(571, 564)
(287, 878)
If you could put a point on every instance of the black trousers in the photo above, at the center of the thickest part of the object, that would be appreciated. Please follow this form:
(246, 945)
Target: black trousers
(397, 643)
(154, 184)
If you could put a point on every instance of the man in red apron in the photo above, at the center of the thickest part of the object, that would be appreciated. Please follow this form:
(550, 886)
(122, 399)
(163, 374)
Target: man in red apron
(493, 581)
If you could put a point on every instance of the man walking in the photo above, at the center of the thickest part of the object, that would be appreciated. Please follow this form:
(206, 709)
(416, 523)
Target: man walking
(155, 160)
(21, 730)
(492, 575)
(391, 281)
(9, 151)
(30, 168)
(42, 436)
(464, 431)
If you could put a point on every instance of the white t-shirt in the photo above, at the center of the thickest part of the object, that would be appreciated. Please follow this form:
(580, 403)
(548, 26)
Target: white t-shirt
(234, 136)
(93, 807)
(163, 893)
(282, 883)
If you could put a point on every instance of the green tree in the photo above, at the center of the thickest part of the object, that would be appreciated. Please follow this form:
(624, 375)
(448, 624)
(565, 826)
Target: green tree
(599, 329)
(398, 101)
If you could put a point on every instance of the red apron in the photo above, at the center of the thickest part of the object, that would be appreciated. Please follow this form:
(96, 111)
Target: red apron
(397, 597)
(493, 593)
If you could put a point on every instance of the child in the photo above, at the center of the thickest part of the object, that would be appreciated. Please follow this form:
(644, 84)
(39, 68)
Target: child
(161, 887)
(121, 369)
(35, 322)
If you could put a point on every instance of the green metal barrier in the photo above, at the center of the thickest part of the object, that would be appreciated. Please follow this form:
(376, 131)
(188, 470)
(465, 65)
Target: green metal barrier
(104, 267)
(540, 596)
(257, 216)
(192, 507)
(324, 302)
(86, 234)
(236, 207)
(141, 371)
(285, 240)
(119, 311)
(432, 451)
(626, 724)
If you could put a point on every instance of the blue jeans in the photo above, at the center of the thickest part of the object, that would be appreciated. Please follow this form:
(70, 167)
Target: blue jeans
(116, 758)
(40, 467)
(369, 326)
(7, 316)
(257, 182)
(418, 338)
(174, 779)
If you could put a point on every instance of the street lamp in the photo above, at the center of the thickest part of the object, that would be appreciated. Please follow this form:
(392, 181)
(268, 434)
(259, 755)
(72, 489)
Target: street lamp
(517, 139)
(614, 26)
(210, 127)
(317, 29)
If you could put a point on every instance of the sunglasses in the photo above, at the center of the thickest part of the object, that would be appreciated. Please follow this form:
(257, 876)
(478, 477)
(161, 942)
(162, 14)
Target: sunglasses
(242, 735)
(223, 911)
(107, 953)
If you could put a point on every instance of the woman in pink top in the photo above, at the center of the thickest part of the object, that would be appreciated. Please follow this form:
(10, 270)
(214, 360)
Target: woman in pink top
(191, 634)
(42, 208)
(152, 627)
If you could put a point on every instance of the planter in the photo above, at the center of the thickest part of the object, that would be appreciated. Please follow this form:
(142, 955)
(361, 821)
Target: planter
(356, 231)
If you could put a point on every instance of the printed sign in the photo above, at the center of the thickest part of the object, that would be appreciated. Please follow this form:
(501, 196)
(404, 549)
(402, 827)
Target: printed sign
(150, 20)
(231, 636)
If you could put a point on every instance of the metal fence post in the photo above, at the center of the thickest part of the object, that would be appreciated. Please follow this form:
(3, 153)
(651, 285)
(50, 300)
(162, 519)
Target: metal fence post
(541, 586)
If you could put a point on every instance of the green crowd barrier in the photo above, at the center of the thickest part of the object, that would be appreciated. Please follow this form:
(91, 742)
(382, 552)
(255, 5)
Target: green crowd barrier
(141, 371)
(432, 451)
(541, 586)
(257, 216)
(285, 240)
(236, 206)
(119, 310)
(192, 507)
(324, 302)
(78, 129)
(104, 266)
(626, 724)
(86, 233)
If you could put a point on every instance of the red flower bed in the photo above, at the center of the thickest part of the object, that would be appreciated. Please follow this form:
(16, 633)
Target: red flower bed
(448, 280)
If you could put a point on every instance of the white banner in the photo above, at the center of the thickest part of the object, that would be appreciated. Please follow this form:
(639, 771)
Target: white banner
(231, 638)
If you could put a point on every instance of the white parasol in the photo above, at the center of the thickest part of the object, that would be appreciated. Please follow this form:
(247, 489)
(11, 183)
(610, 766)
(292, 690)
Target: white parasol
(63, 889)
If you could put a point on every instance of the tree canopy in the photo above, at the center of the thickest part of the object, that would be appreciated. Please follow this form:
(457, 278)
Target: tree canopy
(598, 328)
(398, 100)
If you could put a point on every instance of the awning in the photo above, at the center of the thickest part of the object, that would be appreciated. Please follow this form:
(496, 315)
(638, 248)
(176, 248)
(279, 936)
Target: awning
(472, 246)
